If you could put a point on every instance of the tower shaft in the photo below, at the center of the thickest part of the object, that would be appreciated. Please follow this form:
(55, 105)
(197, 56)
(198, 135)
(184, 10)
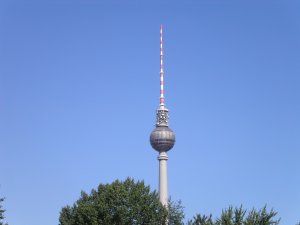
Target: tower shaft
(163, 179)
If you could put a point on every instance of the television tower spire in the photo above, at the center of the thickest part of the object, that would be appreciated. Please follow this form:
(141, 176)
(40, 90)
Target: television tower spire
(162, 97)
(162, 138)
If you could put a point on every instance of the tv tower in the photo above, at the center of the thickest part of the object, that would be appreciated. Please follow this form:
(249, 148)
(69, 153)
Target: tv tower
(162, 138)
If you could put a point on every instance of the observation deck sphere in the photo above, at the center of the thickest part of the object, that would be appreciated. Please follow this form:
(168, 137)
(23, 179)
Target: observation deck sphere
(162, 139)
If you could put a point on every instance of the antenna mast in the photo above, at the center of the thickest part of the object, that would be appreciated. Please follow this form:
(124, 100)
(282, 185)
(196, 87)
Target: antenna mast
(162, 97)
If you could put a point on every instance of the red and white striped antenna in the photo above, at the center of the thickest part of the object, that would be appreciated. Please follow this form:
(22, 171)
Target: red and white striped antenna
(162, 97)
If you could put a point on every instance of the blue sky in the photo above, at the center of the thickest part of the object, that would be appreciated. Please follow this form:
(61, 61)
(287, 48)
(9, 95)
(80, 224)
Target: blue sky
(79, 86)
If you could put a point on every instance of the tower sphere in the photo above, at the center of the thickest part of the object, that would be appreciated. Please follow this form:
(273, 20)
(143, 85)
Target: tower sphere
(162, 139)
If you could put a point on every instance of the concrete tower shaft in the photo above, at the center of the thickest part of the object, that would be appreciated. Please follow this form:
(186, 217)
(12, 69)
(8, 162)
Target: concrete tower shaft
(163, 178)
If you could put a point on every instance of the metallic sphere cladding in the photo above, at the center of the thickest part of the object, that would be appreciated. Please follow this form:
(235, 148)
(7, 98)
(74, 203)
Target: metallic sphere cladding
(162, 139)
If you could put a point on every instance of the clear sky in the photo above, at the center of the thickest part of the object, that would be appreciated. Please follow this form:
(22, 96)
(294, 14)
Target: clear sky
(79, 86)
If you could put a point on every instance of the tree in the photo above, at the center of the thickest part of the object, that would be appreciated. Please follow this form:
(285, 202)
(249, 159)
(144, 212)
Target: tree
(238, 216)
(132, 203)
(262, 217)
(2, 212)
(120, 203)
(176, 214)
(201, 220)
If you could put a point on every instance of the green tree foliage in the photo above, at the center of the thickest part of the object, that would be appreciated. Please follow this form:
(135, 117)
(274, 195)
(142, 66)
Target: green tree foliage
(120, 203)
(132, 203)
(2, 212)
(201, 220)
(176, 213)
(238, 216)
